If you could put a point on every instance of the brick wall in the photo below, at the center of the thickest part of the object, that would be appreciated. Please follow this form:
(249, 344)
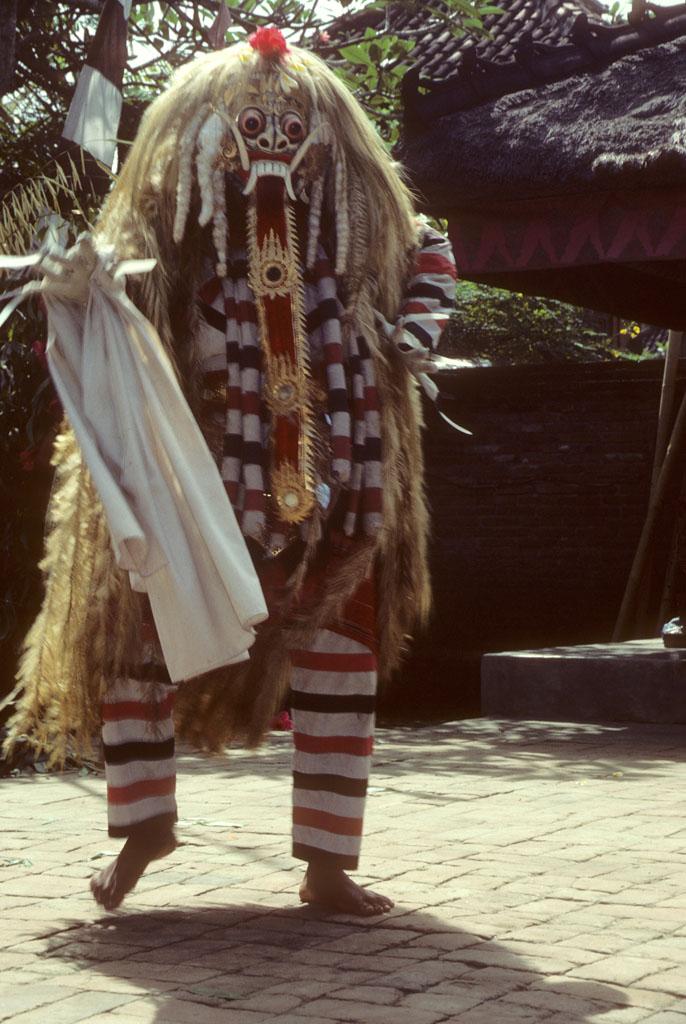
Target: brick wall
(536, 517)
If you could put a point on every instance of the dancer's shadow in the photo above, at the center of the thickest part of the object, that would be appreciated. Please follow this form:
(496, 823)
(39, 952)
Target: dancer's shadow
(299, 963)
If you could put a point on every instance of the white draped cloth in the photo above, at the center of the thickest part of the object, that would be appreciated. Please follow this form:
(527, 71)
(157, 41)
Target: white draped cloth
(171, 523)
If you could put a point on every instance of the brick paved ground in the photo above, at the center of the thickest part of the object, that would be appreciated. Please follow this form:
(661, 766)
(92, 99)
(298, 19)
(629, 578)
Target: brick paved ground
(539, 871)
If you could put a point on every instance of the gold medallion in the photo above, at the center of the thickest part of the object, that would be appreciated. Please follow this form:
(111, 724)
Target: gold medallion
(294, 499)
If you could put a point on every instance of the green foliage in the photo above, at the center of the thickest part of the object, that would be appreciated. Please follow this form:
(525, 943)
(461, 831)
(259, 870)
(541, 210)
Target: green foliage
(53, 38)
(373, 64)
(510, 327)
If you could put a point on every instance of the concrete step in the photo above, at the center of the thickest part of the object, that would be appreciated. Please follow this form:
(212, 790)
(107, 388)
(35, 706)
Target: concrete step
(636, 681)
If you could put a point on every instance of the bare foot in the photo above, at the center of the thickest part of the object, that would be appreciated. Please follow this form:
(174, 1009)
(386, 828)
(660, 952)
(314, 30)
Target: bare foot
(331, 889)
(110, 886)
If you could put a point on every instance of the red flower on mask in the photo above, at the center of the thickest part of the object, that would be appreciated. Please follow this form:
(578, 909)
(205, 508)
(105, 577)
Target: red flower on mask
(269, 42)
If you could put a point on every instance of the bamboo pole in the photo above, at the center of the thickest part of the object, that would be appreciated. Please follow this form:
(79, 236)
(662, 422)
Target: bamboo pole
(656, 499)
(641, 617)
(667, 598)
(674, 343)
(674, 346)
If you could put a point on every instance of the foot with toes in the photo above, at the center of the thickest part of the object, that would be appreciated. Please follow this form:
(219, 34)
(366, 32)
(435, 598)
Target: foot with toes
(111, 885)
(332, 890)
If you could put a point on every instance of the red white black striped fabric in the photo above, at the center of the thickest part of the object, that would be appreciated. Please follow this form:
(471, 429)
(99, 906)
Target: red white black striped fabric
(138, 750)
(333, 695)
(350, 422)
(431, 289)
(93, 117)
(230, 351)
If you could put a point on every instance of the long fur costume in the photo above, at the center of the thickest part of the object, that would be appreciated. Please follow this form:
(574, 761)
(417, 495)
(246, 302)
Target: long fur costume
(86, 632)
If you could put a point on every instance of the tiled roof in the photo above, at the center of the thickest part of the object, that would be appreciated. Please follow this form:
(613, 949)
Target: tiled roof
(440, 54)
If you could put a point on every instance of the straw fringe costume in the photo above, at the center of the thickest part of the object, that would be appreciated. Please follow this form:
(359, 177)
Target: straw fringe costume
(296, 296)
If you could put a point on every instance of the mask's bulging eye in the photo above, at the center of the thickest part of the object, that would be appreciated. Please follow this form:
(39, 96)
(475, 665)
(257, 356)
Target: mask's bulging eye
(292, 126)
(251, 122)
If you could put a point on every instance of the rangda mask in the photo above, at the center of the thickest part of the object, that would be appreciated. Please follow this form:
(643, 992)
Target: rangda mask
(270, 137)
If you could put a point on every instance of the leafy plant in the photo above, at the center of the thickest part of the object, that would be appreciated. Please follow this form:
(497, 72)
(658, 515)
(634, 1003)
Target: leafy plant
(510, 327)
(53, 38)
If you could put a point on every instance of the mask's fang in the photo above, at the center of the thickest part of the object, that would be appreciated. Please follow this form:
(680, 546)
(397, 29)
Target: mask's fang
(252, 181)
(289, 184)
(269, 168)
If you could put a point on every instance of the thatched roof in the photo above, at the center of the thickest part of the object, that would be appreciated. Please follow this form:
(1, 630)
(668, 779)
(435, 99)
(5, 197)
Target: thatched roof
(622, 126)
(556, 148)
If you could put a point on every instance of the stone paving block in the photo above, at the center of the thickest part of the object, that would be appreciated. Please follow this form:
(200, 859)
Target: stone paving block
(382, 995)
(624, 1015)
(79, 1006)
(412, 952)
(666, 1017)
(41, 887)
(605, 993)
(385, 963)
(180, 1011)
(671, 947)
(578, 957)
(305, 990)
(47, 967)
(297, 1018)
(600, 942)
(514, 960)
(557, 1002)
(296, 973)
(119, 1018)
(87, 950)
(546, 933)
(447, 1003)
(15, 1000)
(43, 946)
(378, 941)
(494, 980)
(225, 988)
(367, 1013)
(447, 941)
(503, 1013)
(625, 970)
(87, 981)
(672, 981)
(421, 976)
(294, 922)
(179, 974)
(272, 1003)
(11, 903)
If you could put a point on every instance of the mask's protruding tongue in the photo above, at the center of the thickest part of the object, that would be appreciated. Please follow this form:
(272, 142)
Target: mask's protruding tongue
(276, 280)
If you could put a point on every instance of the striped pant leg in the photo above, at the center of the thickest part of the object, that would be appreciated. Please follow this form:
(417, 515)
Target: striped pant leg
(138, 750)
(333, 695)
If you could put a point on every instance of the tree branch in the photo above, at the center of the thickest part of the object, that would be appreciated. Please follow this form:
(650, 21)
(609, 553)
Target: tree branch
(8, 34)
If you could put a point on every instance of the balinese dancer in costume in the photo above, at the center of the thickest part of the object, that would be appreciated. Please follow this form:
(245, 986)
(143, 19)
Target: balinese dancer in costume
(296, 297)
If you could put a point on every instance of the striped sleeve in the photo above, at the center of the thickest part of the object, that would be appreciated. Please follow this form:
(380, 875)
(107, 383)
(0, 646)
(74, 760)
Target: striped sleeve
(430, 294)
